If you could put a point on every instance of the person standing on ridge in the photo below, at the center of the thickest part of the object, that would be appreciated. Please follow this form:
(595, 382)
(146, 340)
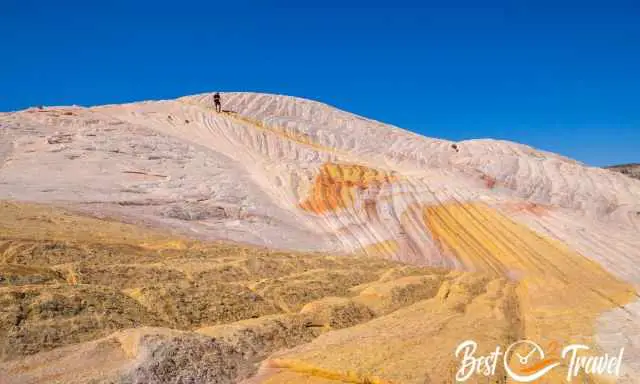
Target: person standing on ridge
(217, 102)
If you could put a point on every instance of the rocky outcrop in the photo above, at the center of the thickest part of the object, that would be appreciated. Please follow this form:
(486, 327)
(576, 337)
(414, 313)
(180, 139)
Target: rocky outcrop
(631, 170)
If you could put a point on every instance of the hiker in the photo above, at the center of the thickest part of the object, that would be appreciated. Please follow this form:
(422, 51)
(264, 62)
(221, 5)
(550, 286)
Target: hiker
(217, 102)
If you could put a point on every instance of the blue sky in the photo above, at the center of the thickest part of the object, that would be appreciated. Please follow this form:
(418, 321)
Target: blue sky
(561, 76)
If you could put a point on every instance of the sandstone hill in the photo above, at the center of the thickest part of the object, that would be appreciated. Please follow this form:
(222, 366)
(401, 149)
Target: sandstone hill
(285, 241)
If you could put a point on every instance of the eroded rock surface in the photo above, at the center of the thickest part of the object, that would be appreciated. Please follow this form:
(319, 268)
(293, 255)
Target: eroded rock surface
(497, 241)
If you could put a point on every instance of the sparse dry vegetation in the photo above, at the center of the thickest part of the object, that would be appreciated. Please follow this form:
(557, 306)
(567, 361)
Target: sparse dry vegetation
(87, 300)
(67, 279)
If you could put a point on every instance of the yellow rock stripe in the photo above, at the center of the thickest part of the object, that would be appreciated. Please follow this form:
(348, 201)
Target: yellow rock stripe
(561, 292)
(382, 249)
(319, 373)
(296, 137)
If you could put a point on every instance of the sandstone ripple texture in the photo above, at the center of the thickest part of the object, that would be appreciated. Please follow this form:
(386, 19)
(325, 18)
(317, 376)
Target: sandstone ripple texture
(286, 241)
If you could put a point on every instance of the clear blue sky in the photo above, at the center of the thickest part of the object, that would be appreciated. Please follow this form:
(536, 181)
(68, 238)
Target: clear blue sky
(561, 76)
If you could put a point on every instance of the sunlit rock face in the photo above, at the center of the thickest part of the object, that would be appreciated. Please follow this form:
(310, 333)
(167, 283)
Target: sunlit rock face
(292, 174)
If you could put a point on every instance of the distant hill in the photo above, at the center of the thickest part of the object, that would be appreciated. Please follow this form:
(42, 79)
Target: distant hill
(631, 170)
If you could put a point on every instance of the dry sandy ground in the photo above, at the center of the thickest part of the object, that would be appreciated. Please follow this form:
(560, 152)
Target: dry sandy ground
(553, 244)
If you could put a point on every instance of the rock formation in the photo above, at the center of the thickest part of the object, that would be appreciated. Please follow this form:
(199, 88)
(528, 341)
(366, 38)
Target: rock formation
(364, 252)
(631, 170)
